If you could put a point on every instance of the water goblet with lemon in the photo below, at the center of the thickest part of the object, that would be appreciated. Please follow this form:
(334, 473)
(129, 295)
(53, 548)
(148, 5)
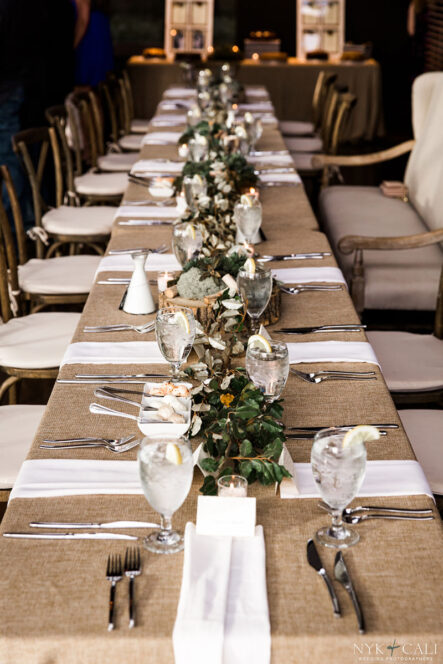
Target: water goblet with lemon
(187, 242)
(267, 365)
(248, 218)
(193, 187)
(255, 286)
(166, 468)
(175, 332)
(338, 462)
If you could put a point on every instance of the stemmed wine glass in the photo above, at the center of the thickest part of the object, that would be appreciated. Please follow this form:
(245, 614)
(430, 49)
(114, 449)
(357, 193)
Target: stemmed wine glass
(248, 217)
(338, 471)
(268, 370)
(187, 242)
(166, 468)
(175, 332)
(255, 289)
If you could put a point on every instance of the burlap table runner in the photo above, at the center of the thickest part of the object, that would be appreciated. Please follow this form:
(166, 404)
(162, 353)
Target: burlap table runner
(53, 595)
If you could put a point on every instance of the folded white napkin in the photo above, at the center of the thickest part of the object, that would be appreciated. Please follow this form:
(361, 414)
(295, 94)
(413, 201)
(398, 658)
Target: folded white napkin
(281, 177)
(148, 211)
(160, 137)
(180, 92)
(256, 91)
(257, 106)
(152, 166)
(301, 275)
(331, 351)
(275, 159)
(48, 478)
(165, 119)
(111, 352)
(124, 263)
(223, 607)
(266, 118)
(383, 478)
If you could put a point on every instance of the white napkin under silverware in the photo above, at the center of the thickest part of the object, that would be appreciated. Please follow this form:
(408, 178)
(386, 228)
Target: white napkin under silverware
(291, 178)
(148, 211)
(331, 351)
(223, 614)
(301, 275)
(111, 352)
(161, 137)
(153, 166)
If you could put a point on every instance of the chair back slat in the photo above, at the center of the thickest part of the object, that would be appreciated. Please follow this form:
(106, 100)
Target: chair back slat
(57, 117)
(438, 324)
(346, 103)
(109, 105)
(5, 306)
(129, 95)
(6, 179)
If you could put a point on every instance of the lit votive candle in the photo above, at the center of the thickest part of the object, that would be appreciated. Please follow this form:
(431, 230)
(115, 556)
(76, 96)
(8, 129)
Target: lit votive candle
(232, 486)
(183, 150)
(161, 187)
(253, 193)
(162, 281)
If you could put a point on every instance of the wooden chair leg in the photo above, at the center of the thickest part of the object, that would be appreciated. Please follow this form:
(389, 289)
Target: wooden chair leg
(10, 384)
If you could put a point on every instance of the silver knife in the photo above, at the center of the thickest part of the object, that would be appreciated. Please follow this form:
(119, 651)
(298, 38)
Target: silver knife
(294, 257)
(322, 328)
(102, 381)
(316, 563)
(146, 222)
(341, 426)
(147, 375)
(110, 524)
(342, 575)
(307, 435)
(69, 536)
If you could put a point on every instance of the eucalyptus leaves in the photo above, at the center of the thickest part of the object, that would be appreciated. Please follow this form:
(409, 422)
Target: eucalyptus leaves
(241, 433)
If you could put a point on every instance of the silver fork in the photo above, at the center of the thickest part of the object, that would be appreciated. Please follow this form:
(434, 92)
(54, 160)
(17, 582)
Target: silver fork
(116, 449)
(295, 290)
(320, 376)
(141, 329)
(348, 518)
(350, 511)
(132, 569)
(108, 441)
(113, 574)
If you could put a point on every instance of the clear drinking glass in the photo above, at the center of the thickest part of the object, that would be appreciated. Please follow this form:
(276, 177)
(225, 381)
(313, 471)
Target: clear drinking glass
(248, 216)
(338, 471)
(198, 148)
(255, 289)
(166, 468)
(175, 332)
(193, 187)
(268, 371)
(187, 242)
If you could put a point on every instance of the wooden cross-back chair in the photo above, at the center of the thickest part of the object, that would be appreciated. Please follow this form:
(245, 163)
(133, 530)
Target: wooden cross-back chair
(40, 282)
(322, 93)
(30, 346)
(44, 141)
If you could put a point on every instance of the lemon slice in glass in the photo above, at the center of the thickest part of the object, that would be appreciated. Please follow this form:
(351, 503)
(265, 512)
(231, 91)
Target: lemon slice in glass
(173, 454)
(258, 341)
(190, 231)
(246, 200)
(364, 433)
(249, 266)
(181, 319)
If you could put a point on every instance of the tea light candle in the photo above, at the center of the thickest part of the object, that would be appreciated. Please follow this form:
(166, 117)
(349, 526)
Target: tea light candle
(183, 150)
(162, 281)
(232, 486)
(253, 193)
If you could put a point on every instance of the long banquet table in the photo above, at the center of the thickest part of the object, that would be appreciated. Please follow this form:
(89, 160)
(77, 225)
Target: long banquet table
(290, 85)
(53, 595)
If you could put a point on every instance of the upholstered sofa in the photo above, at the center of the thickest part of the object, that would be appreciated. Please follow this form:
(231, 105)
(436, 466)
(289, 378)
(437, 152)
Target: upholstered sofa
(391, 250)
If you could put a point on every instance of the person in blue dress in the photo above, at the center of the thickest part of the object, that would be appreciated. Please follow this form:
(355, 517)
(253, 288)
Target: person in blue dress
(93, 43)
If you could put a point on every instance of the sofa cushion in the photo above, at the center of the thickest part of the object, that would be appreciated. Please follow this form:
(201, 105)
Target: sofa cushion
(295, 128)
(424, 428)
(18, 426)
(424, 173)
(394, 279)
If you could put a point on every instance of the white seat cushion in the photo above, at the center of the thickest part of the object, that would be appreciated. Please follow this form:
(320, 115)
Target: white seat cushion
(410, 362)
(290, 128)
(68, 220)
(18, 426)
(304, 144)
(424, 429)
(37, 341)
(101, 184)
(139, 126)
(117, 161)
(131, 142)
(401, 279)
(64, 275)
(303, 161)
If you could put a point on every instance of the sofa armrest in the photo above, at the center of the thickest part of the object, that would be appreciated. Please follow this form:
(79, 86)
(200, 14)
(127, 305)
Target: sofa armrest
(351, 243)
(324, 160)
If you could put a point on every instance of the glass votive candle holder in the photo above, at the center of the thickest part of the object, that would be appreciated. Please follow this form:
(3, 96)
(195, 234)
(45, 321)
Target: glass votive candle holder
(232, 486)
(183, 150)
(160, 187)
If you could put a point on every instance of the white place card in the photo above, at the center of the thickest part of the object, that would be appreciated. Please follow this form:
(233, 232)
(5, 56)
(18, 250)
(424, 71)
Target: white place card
(233, 517)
